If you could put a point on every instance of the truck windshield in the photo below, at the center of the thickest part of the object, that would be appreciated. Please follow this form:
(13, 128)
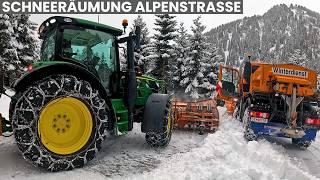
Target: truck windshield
(94, 48)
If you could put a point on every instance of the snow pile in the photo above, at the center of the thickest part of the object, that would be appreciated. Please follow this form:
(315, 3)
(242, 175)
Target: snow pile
(4, 104)
(226, 155)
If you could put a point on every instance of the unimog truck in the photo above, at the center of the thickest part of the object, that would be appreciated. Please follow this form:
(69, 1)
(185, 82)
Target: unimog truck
(272, 100)
(67, 103)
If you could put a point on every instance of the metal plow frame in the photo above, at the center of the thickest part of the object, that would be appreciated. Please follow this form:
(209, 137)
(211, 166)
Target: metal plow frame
(201, 115)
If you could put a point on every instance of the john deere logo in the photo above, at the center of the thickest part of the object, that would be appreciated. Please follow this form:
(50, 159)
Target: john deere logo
(290, 72)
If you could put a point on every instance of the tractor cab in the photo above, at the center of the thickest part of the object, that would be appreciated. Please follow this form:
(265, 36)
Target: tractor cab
(86, 44)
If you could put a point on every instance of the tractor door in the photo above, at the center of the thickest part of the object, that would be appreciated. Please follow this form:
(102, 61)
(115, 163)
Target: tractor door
(228, 85)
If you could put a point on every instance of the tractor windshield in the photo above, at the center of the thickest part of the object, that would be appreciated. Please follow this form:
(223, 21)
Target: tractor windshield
(89, 46)
(94, 48)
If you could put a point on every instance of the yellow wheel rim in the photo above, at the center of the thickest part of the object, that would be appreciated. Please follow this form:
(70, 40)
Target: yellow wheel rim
(65, 125)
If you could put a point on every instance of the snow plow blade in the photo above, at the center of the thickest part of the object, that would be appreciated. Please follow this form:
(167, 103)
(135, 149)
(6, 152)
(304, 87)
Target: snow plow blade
(201, 115)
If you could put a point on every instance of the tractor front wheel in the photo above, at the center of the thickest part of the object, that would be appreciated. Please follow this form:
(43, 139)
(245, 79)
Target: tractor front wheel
(60, 122)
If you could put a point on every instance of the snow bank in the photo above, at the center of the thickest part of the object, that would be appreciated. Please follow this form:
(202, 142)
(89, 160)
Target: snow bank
(4, 105)
(226, 155)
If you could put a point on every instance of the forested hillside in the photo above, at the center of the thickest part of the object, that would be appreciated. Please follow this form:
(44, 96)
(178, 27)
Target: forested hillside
(283, 34)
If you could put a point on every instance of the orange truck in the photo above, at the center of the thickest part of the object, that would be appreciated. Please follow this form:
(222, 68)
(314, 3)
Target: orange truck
(271, 100)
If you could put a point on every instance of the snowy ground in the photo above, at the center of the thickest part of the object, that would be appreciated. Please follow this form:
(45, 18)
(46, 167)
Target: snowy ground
(222, 155)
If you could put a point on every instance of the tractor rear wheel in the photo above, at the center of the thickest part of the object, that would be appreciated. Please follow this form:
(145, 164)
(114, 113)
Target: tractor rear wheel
(162, 138)
(60, 122)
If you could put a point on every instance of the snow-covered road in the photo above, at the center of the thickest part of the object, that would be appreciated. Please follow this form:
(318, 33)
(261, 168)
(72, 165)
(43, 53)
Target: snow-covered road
(222, 155)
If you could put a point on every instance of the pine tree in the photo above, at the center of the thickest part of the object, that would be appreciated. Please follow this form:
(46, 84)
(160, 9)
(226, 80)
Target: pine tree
(214, 59)
(181, 52)
(163, 54)
(151, 58)
(8, 54)
(298, 57)
(143, 52)
(26, 36)
(199, 64)
(18, 44)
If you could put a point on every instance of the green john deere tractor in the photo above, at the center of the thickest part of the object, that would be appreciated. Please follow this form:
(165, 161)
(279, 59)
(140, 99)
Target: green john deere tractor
(67, 103)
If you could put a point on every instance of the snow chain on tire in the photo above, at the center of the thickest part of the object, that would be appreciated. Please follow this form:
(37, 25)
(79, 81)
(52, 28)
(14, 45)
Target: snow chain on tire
(26, 116)
(301, 144)
(248, 132)
(162, 139)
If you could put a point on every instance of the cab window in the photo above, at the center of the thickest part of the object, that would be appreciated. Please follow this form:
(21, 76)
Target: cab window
(48, 46)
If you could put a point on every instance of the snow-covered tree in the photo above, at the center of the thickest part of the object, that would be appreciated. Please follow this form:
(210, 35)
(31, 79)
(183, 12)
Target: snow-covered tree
(181, 53)
(27, 38)
(196, 76)
(143, 52)
(214, 59)
(19, 45)
(298, 57)
(163, 54)
(151, 57)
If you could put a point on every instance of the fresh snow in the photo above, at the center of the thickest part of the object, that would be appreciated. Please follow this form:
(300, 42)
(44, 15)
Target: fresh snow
(222, 155)
(261, 26)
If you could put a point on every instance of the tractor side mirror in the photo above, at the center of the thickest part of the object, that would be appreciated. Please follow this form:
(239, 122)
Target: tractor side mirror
(137, 37)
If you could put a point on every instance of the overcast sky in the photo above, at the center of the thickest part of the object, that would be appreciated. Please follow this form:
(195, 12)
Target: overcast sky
(251, 7)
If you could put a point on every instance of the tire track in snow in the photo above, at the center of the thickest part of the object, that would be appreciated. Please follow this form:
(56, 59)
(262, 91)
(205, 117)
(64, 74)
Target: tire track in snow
(130, 153)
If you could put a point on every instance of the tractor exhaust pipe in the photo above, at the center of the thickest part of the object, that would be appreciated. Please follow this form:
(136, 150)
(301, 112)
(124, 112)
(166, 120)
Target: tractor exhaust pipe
(133, 42)
(132, 82)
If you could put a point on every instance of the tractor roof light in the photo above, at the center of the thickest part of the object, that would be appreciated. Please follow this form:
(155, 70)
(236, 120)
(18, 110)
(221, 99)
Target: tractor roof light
(68, 20)
(125, 24)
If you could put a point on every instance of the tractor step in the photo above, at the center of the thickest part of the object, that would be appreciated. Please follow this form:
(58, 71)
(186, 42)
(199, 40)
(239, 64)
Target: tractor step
(121, 113)
(6, 128)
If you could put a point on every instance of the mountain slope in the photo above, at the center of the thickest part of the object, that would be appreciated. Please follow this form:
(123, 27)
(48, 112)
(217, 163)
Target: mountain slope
(273, 37)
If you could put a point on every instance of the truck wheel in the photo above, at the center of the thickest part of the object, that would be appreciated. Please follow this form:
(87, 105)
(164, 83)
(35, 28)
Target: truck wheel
(248, 132)
(60, 122)
(300, 143)
(162, 138)
(236, 113)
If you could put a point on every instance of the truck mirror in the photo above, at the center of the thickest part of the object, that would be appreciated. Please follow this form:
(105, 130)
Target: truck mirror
(137, 37)
(220, 103)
